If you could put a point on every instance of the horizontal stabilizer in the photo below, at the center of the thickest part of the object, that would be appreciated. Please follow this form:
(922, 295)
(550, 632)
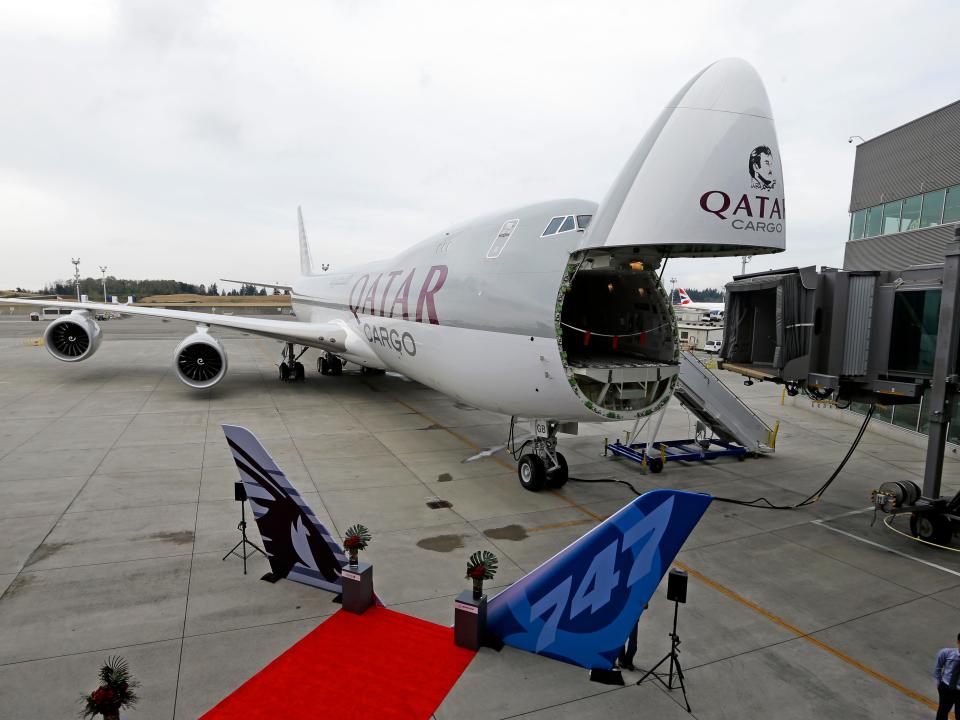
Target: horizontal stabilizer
(298, 546)
(581, 604)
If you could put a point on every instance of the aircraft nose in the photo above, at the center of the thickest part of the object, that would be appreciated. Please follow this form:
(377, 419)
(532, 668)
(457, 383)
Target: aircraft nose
(728, 85)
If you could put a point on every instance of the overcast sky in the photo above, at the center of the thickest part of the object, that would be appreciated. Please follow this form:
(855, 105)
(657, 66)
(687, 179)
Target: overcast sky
(175, 139)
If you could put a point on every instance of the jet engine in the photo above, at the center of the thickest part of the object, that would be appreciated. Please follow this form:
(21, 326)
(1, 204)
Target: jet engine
(72, 337)
(200, 361)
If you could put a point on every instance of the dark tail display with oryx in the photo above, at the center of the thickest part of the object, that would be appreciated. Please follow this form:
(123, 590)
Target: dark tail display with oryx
(298, 546)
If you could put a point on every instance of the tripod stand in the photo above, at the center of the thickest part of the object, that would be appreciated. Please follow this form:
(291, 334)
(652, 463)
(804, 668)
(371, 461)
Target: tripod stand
(240, 494)
(674, 657)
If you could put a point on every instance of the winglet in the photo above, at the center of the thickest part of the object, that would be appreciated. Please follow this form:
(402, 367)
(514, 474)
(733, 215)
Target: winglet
(306, 263)
(581, 604)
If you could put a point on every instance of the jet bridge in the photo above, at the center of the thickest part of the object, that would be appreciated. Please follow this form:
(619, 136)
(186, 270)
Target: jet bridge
(703, 393)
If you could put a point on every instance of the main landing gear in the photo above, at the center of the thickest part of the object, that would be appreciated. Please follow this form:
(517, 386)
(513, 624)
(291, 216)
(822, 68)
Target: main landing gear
(328, 364)
(539, 464)
(291, 369)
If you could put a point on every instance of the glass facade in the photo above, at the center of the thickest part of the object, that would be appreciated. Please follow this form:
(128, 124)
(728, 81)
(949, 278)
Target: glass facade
(857, 222)
(910, 217)
(920, 211)
(891, 217)
(951, 207)
(874, 221)
(932, 212)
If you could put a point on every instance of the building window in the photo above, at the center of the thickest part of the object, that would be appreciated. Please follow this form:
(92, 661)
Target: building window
(857, 221)
(932, 208)
(951, 208)
(891, 217)
(910, 216)
(874, 221)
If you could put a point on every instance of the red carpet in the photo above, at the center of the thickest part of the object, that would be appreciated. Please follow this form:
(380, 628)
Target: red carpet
(381, 664)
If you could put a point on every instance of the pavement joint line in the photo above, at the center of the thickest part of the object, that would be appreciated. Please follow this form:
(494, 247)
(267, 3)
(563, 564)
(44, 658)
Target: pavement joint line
(839, 654)
(193, 548)
(822, 524)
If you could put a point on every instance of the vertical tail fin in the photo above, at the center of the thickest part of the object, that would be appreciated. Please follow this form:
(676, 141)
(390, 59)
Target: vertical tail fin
(684, 298)
(306, 263)
(298, 546)
(581, 604)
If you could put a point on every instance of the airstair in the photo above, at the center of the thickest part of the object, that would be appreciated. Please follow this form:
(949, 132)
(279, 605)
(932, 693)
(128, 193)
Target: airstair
(702, 393)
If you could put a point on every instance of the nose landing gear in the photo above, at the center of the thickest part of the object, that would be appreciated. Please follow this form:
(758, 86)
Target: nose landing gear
(542, 466)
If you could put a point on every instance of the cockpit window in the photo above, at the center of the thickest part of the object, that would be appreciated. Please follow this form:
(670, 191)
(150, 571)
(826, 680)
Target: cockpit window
(553, 226)
(566, 223)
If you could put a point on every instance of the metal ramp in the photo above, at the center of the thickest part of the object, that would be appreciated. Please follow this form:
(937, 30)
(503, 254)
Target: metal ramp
(713, 403)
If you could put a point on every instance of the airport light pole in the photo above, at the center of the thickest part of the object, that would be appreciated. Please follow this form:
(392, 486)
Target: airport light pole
(103, 271)
(743, 263)
(76, 275)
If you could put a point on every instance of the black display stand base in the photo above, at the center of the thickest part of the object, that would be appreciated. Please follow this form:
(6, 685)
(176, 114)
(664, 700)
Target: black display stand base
(272, 577)
(469, 620)
(606, 677)
(357, 583)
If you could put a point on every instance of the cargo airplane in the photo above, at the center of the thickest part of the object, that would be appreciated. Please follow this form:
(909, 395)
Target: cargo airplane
(552, 313)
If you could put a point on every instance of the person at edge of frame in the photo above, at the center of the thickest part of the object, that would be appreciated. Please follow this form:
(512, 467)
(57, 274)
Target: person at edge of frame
(946, 672)
(625, 661)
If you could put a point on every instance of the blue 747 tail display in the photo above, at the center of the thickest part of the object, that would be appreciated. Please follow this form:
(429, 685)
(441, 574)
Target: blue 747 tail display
(298, 546)
(581, 604)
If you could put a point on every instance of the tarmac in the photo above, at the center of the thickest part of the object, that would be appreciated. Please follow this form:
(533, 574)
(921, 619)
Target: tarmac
(116, 507)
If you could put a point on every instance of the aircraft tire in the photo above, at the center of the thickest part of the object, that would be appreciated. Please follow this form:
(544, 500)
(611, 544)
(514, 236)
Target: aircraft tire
(558, 478)
(655, 464)
(323, 366)
(298, 372)
(336, 365)
(284, 372)
(532, 472)
(931, 528)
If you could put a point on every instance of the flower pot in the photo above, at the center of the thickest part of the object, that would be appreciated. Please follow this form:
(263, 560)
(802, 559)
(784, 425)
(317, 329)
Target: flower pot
(113, 714)
(353, 557)
(477, 588)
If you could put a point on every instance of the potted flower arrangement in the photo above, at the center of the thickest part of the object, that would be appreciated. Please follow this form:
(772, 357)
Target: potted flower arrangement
(481, 566)
(357, 538)
(115, 691)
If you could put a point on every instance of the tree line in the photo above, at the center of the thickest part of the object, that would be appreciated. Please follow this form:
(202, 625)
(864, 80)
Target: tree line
(93, 287)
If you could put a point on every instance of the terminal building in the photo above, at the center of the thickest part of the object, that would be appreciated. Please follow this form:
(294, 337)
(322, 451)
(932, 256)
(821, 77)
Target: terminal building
(904, 206)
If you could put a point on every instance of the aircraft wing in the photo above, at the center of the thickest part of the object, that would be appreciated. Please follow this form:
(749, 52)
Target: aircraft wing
(331, 336)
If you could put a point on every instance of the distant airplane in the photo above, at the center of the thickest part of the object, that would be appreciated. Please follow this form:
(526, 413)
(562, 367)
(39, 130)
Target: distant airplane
(712, 311)
(554, 312)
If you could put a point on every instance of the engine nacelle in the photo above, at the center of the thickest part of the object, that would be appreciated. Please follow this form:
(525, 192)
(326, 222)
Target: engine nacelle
(200, 361)
(73, 337)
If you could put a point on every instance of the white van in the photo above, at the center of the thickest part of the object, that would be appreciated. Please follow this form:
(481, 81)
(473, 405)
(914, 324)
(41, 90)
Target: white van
(712, 346)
